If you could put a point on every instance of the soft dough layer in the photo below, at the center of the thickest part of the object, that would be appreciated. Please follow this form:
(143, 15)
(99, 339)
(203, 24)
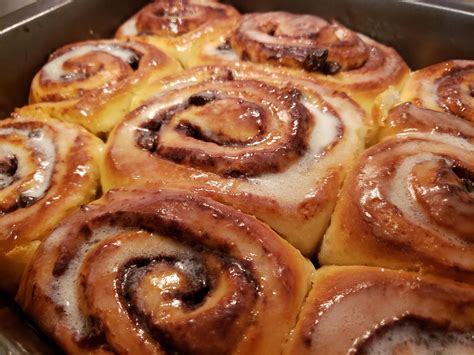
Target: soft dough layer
(92, 83)
(47, 169)
(409, 201)
(365, 310)
(155, 272)
(273, 145)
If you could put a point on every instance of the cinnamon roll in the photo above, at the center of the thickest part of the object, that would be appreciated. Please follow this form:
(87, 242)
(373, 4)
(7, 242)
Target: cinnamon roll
(446, 87)
(151, 272)
(92, 83)
(178, 26)
(365, 310)
(272, 145)
(313, 47)
(409, 201)
(47, 168)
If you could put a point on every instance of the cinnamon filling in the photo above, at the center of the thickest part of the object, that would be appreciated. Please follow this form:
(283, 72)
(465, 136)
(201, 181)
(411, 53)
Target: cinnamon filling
(8, 168)
(77, 70)
(226, 46)
(315, 60)
(24, 201)
(466, 176)
(82, 67)
(134, 62)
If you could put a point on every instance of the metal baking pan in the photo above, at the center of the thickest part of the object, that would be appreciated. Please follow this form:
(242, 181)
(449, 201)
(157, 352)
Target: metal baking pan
(423, 32)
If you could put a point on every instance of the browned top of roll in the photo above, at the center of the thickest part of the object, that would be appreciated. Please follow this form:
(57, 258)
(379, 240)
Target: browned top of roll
(409, 204)
(174, 18)
(364, 310)
(304, 41)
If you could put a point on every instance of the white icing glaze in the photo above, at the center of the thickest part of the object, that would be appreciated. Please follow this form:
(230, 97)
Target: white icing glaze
(294, 183)
(129, 28)
(54, 70)
(448, 139)
(265, 38)
(428, 93)
(64, 288)
(402, 195)
(262, 37)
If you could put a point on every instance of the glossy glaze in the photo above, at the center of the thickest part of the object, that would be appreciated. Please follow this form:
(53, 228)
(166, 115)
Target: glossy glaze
(367, 310)
(160, 271)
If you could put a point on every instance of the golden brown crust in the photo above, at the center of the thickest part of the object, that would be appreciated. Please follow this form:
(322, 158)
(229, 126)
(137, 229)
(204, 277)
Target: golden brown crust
(47, 168)
(92, 82)
(165, 271)
(446, 87)
(270, 144)
(365, 303)
(408, 204)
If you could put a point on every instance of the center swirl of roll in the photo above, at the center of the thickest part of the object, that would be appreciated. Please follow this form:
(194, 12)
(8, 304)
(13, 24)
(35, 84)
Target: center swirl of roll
(304, 41)
(427, 182)
(174, 18)
(237, 129)
(164, 294)
(445, 191)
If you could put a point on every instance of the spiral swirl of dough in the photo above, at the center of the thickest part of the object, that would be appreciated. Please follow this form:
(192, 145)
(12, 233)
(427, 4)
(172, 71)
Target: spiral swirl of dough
(155, 272)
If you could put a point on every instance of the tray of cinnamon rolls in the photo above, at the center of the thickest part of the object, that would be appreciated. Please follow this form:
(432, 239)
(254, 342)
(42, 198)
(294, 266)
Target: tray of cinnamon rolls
(212, 179)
